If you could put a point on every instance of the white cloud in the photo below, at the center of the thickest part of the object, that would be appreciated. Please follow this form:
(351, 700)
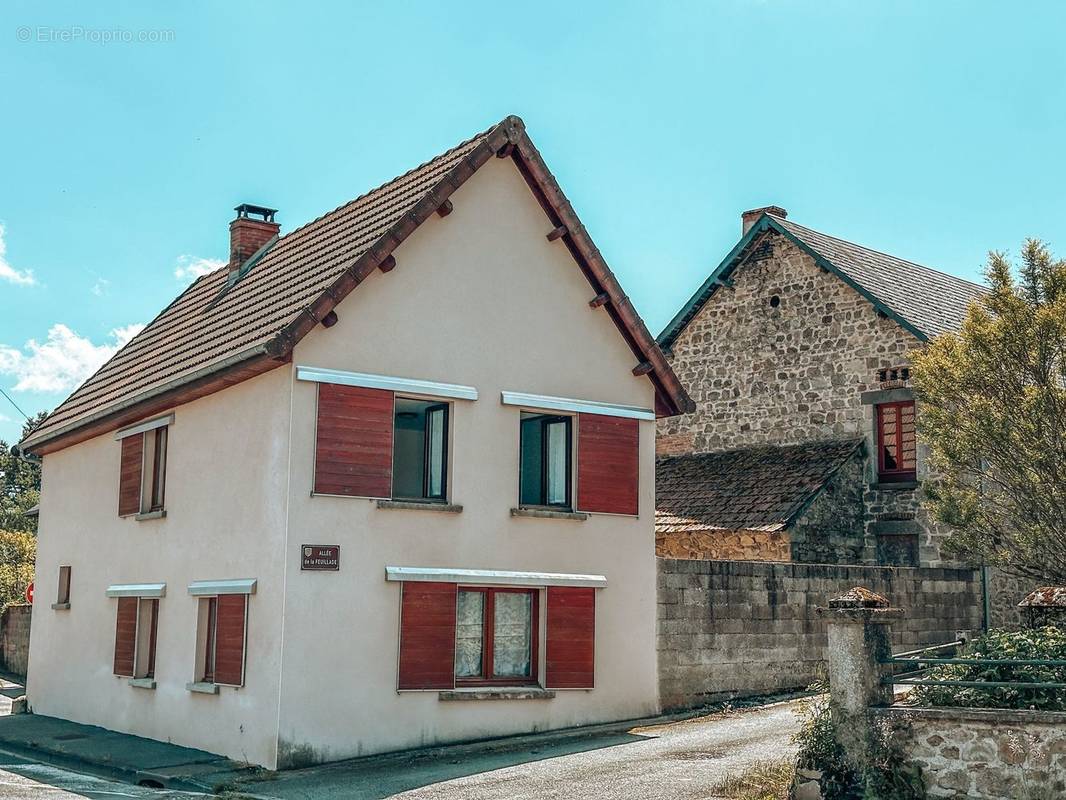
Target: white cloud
(191, 267)
(63, 361)
(100, 287)
(8, 272)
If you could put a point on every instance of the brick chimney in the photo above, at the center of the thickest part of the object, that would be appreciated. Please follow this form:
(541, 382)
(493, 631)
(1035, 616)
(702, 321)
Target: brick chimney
(247, 234)
(749, 218)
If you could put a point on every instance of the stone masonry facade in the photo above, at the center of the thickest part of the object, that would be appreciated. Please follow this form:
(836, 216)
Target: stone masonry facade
(785, 356)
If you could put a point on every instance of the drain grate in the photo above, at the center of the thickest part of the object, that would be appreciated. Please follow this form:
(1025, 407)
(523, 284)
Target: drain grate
(66, 737)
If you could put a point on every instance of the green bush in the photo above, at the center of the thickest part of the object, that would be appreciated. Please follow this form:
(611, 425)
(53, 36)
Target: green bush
(18, 550)
(1040, 643)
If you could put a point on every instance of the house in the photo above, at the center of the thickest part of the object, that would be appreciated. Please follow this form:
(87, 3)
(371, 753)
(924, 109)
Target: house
(384, 481)
(802, 446)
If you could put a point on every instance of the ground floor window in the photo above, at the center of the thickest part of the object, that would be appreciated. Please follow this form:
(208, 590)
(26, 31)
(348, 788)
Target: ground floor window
(135, 636)
(221, 634)
(496, 635)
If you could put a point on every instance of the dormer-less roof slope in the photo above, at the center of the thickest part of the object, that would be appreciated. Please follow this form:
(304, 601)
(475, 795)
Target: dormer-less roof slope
(755, 489)
(208, 339)
(924, 301)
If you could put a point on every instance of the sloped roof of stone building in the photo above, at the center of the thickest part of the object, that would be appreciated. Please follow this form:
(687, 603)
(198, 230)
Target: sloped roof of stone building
(754, 489)
(215, 334)
(925, 301)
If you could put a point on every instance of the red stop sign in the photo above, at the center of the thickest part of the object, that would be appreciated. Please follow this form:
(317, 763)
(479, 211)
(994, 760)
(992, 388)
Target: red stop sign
(29, 593)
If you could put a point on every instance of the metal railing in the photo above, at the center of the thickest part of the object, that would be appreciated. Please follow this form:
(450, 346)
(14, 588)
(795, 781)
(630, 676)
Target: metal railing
(917, 658)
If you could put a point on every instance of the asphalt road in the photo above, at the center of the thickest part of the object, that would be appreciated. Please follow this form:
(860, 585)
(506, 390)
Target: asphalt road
(675, 761)
(681, 760)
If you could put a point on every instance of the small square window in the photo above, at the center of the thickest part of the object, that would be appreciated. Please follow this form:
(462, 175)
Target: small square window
(896, 442)
(63, 595)
(496, 636)
(545, 460)
(420, 450)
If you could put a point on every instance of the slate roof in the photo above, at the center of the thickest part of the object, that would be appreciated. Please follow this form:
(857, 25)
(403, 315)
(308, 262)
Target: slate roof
(257, 322)
(755, 489)
(925, 301)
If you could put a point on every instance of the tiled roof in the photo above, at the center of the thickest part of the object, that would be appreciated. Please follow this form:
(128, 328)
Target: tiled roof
(933, 302)
(301, 278)
(923, 300)
(756, 489)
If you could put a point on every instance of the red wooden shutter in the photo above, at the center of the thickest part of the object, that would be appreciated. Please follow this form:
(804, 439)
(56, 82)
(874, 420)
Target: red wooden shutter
(353, 448)
(125, 636)
(571, 638)
(129, 475)
(229, 639)
(607, 464)
(427, 635)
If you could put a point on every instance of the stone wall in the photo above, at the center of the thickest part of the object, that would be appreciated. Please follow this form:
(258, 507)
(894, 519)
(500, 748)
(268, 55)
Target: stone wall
(831, 530)
(987, 754)
(764, 374)
(15, 638)
(740, 628)
(725, 545)
(1004, 593)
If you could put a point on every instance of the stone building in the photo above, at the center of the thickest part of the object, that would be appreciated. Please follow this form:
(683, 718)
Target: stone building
(796, 352)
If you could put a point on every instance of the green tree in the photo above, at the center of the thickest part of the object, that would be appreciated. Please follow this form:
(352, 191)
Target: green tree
(18, 551)
(20, 484)
(993, 413)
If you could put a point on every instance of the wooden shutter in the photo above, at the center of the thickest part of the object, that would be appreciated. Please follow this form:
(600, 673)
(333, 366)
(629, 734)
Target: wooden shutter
(129, 475)
(607, 464)
(427, 635)
(126, 636)
(229, 639)
(571, 638)
(353, 447)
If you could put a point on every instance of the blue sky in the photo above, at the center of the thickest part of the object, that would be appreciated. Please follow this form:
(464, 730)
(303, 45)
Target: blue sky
(932, 131)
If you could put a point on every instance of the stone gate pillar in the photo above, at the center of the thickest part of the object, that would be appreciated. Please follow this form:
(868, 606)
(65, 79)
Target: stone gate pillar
(859, 628)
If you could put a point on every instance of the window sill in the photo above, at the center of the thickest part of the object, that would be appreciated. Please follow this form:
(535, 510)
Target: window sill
(488, 693)
(61, 606)
(545, 513)
(142, 683)
(202, 688)
(419, 505)
(896, 486)
(150, 515)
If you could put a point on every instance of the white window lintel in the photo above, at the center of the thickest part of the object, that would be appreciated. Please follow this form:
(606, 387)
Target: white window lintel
(492, 576)
(546, 402)
(211, 588)
(137, 590)
(401, 385)
(144, 427)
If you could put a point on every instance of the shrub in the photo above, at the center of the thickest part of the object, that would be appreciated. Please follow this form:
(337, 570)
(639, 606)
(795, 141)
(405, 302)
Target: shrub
(1040, 643)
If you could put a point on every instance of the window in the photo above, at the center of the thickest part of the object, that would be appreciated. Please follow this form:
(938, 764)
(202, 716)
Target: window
(896, 442)
(420, 450)
(545, 444)
(135, 636)
(143, 470)
(221, 634)
(63, 595)
(496, 636)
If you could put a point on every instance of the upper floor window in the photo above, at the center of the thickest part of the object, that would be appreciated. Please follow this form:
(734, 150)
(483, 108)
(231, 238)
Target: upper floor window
(544, 470)
(420, 450)
(896, 442)
(143, 468)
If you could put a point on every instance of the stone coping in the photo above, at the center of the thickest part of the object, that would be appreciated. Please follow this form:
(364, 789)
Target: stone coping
(992, 716)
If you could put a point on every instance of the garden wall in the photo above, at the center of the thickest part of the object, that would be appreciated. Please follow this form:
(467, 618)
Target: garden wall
(987, 754)
(15, 639)
(741, 628)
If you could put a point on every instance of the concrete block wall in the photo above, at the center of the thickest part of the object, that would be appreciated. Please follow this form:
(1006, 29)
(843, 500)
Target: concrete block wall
(15, 638)
(730, 629)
